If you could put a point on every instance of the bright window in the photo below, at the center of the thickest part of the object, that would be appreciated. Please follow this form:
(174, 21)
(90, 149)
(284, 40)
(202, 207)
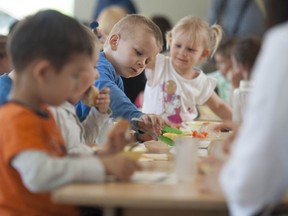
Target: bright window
(20, 8)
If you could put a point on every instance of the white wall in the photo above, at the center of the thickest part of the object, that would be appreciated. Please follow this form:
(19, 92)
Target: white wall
(172, 9)
(83, 9)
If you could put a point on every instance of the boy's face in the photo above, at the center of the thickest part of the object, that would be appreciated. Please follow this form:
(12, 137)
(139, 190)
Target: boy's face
(223, 63)
(131, 56)
(71, 81)
(86, 79)
(185, 54)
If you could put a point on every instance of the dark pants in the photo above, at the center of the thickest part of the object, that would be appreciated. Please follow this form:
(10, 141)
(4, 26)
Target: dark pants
(91, 211)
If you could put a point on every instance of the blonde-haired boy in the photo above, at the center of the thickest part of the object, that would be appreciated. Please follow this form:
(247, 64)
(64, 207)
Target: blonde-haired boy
(133, 42)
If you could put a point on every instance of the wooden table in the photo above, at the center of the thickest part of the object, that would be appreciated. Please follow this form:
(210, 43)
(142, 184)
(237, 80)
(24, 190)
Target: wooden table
(119, 198)
(153, 199)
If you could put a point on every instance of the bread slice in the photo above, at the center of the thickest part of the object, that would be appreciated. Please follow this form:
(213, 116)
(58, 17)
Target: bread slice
(90, 96)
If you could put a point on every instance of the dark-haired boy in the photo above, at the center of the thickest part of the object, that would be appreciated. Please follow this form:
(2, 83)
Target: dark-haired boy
(50, 53)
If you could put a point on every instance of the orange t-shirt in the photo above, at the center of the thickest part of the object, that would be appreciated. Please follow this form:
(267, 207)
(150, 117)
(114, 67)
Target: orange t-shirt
(23, 129)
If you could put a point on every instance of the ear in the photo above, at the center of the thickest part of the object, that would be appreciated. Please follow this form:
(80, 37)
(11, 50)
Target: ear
(42, 70)
(114, 41)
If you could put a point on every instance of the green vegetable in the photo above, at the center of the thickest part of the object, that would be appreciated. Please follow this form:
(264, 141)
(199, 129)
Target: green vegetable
(166, 140)
(167, 129)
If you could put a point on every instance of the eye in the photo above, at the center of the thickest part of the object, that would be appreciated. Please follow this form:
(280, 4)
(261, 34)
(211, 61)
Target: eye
(178, 45)
(138, 53)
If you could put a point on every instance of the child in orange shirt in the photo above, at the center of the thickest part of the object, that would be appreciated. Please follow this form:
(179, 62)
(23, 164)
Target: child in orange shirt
(50, 53)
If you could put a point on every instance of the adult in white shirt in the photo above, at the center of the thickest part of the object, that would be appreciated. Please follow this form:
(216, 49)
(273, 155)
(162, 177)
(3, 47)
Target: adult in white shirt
(256, 175)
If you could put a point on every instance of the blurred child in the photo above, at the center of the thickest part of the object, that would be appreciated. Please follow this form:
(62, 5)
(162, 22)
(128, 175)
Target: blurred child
(5, 63)
(109, 16)
(79, 136)
(254, 179)
(32, 151)
(224, 65)
(243, 58)
(174, 86)
(132, 43)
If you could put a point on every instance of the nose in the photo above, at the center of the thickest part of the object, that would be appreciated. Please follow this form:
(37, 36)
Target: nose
(183, 52)
(141, 63)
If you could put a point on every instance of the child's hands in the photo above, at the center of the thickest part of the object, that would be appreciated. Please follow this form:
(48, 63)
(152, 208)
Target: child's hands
(120, 167)
(102, 101)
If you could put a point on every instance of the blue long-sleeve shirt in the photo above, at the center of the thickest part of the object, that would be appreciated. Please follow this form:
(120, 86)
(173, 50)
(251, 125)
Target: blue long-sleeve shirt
(5, 88)
(120, 104)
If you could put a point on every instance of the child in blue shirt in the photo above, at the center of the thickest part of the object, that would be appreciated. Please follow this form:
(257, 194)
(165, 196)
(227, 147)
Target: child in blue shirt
(132, 43)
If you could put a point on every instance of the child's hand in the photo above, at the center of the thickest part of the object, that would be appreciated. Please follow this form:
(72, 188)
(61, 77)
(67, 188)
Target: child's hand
(227, 143)
(118, 137)
(102, 101)
(120, 167)
(208, 174)
(115, 143)
(150, 122)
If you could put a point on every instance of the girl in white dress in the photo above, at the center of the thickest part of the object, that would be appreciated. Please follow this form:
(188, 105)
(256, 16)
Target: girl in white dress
(174, 85)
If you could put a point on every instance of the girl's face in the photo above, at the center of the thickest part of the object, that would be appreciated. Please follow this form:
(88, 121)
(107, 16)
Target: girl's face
(223, 63)
(131, 56)
(185, 54)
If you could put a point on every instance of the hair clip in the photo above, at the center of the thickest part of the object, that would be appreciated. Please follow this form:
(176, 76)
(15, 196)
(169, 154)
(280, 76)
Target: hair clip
(93, 25)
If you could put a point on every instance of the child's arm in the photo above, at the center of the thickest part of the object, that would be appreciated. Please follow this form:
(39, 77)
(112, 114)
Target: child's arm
(97, 116)
(92, 124)
(219, 107)
(41, 172)
(70, 128)
(120, 104)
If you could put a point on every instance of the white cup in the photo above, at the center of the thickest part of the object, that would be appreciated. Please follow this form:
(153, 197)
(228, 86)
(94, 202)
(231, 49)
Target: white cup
(186, 158)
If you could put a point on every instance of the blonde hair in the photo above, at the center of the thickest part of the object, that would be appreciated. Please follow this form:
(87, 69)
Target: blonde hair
(109, 17)
(199, 31)
(128, 26)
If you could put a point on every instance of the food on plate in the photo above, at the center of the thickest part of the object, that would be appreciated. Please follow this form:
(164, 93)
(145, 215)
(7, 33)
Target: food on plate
(132, 155)
(170, 135)
(197, 134)
(90, 96)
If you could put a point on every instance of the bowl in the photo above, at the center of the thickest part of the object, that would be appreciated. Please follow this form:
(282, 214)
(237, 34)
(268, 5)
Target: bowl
(157, 147)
